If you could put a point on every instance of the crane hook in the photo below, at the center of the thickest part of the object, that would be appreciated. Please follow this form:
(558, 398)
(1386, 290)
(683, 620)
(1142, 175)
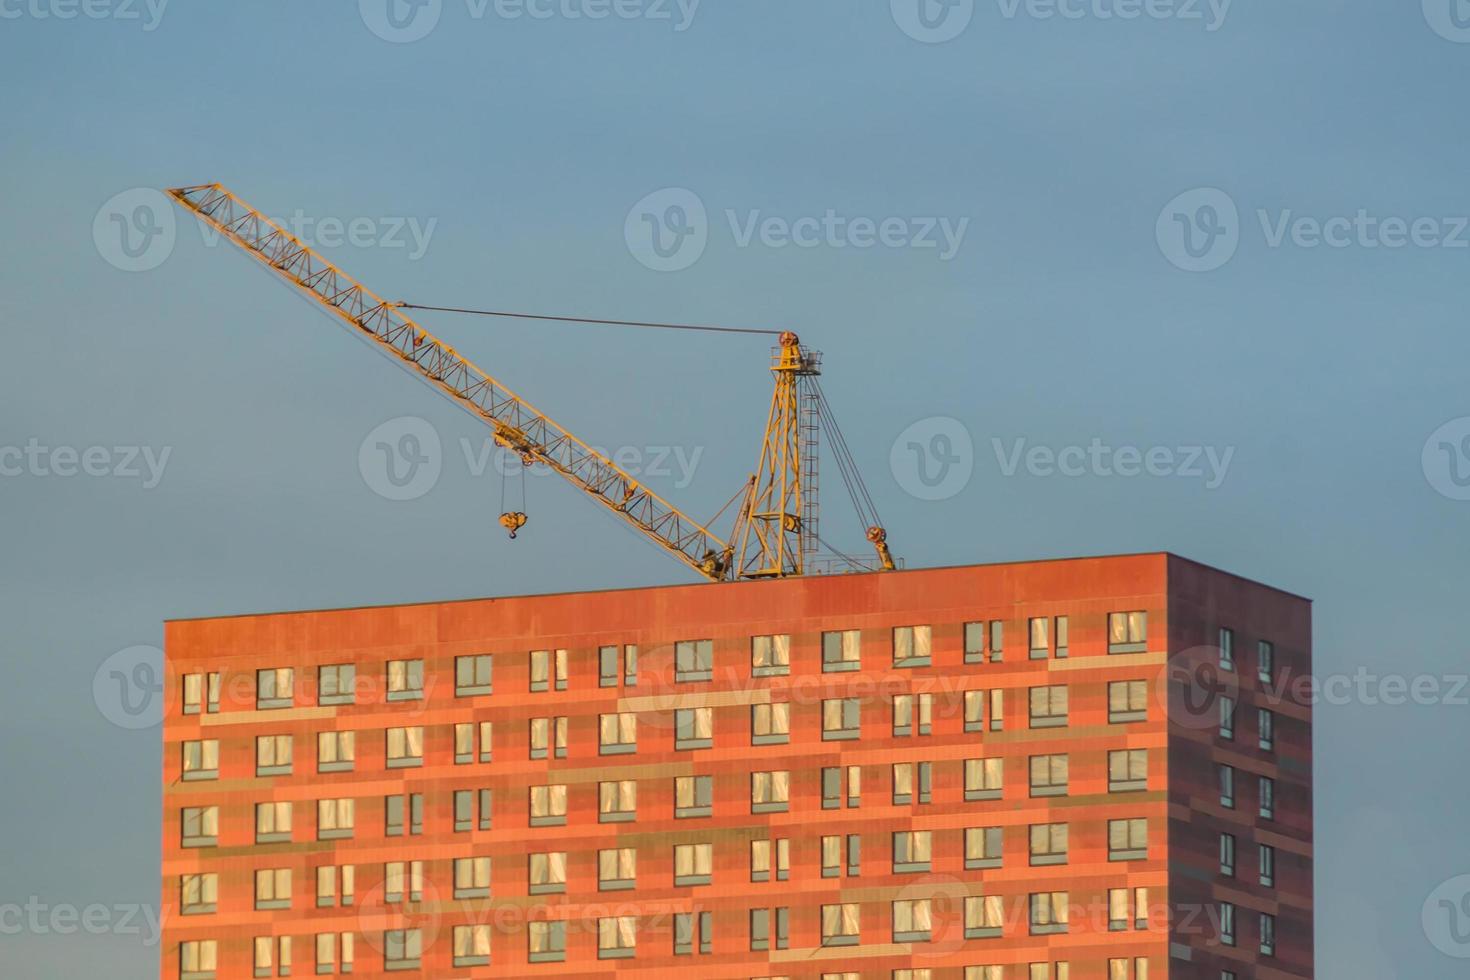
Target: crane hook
(513, 521)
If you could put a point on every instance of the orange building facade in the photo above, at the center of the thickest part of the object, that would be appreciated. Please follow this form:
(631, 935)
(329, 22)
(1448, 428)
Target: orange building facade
(1091, 769)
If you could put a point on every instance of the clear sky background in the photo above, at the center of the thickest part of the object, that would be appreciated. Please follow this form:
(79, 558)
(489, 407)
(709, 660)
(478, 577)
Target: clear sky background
(1067, 314)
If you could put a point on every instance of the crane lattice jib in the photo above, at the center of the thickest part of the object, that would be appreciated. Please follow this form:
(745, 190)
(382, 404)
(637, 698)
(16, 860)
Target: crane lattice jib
(516, 424)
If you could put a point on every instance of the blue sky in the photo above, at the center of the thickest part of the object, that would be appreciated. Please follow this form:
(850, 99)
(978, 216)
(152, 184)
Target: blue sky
(1305, 160)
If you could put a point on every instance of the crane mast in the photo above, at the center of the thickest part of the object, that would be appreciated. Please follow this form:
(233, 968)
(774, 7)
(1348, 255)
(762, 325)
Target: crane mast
(775, 525)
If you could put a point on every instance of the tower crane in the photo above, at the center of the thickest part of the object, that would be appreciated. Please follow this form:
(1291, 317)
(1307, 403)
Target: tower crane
(775, 529)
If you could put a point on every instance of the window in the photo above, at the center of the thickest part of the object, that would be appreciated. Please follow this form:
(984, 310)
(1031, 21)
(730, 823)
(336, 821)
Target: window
(984, 973)
(1227, 855)
(832, 777)
(548, 873)
(693, 864)
(1265, 662)
(405, 747)
(618, 734)
(761, 928)
(273, 888)
(472, 877)
(327, 946)
(335, 884)
(271, 950)
(336, 684)
(198, 893)
(1127, 907)
(911, 646)
(405, 680)
(548, 737)
(616, 937)
(1049, 913)
(547, 942)
(473, 675)
(975, 703)
(1039, 629)
(1227, 719)
(201, 759)
(395, 808)
(1127, 632)
(1049, 774)
(761, 852)
(983, 779)
(694, 796)
(464, 809)
(925, 974)
(201, 692)
(686, 925)
(984, 847)
(273, 687)
(402, 949)
(1128, 839)
(548, 666)
(770, 792)
(975, 643)
(272, 822)
(335, 751)
(1128, 770)
(1267, 807)
(471, 945)
(617, 869)
(1127, 701)
(617, 801)
(840, 924)
(1049, 706)
(272, 755)
(1118, 968)
(911, 779)
(841, 650)
(694, 660)
(1063, 636)
(1266, 865)
(854, 854)
(403, 878)
(334, 819)
(770, 656)
(840, 719)
(911, 921)
(694, 728)
(198, 959)
(1268, 934)
(770, 724)
(984, 917)
(1227, 924)
(1266, 729)
(608, 660)
(548, 806)
(997, 640)
(1048, 844)
(1227, 785)
(630, 665)
(912, 851)
(912, 712)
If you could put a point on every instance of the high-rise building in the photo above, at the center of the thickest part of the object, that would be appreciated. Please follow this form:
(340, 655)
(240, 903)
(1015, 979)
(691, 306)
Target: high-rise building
(1090, 769)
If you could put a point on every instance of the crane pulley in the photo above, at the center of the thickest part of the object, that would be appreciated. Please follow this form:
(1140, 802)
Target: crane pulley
(775, 528)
